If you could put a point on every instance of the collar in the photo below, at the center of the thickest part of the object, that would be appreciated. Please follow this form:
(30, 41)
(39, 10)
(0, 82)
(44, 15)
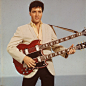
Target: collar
(33, 24)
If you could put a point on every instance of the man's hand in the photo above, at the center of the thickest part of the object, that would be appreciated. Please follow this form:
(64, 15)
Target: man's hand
(29, 61)
(71, 51)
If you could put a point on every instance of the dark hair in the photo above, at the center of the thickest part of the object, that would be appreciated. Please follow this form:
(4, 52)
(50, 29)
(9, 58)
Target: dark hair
(36, 4)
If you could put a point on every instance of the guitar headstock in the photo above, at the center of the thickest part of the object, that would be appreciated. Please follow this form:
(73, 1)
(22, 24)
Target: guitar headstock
(81, 46)
(84, 32)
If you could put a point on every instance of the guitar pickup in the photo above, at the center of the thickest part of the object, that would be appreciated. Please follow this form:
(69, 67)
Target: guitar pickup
(26, 51)
(39, 59)
(37, 48)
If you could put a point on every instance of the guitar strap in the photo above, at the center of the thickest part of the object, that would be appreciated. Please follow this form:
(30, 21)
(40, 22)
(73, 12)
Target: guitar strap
(53, 29)
(70, 30)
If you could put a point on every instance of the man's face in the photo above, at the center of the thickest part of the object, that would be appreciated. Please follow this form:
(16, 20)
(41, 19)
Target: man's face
(36, 14)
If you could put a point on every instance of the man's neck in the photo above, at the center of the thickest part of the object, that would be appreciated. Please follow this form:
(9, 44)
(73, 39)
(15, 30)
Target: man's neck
(37, 26)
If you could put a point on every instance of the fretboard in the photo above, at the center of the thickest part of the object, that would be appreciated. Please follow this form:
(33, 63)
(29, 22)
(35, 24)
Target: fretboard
(49, 44)
(49, 56)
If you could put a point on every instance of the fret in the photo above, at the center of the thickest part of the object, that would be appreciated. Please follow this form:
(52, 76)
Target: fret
(53, 54)
(63, 51)
(49, 56)
(59, 53)
(54, 42)
(80, 33)
(56, 54)
(83, 46)
(51, 43)
(61, 40)
(46, 45)
(43, 46)
(72, 36)
(68, 50)
(66, 38)
(76, 35)
(69, 37)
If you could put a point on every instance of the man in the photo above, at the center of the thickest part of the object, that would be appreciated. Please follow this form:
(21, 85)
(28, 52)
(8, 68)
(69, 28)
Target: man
(33, 31)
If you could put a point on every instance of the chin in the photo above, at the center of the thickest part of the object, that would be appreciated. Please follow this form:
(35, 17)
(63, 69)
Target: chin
(37, 21)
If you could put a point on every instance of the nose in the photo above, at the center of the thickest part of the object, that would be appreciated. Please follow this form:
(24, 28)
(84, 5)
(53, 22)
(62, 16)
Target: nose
(37, 13)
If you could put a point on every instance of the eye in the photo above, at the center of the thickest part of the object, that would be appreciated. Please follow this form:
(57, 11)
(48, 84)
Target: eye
(40, 11)
(33, 11)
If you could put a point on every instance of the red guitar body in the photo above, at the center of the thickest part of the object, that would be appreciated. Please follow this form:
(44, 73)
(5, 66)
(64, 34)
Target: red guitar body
(33, 54)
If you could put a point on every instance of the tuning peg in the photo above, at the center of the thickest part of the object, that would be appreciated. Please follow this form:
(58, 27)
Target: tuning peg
(84, 27)
(83, 40)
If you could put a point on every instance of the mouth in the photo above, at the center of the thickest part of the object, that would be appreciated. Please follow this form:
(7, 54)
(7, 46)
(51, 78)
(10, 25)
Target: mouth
(37, 18)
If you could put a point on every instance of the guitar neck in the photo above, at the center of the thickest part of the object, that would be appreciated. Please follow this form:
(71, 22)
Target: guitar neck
(43, 46)
(49, 56)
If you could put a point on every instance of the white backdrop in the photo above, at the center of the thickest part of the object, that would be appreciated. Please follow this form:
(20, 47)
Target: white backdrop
(64, 13)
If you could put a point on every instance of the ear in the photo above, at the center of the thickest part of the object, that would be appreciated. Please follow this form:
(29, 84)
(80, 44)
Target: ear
(30, 13)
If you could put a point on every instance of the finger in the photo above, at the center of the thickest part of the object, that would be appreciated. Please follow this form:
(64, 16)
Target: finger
(72, 45)
(69, 51)
(32, 62)
(28, 66)
(31, 65)
(72, 51)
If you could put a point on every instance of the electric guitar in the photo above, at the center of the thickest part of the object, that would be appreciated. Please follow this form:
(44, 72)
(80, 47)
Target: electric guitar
(35, 45)
(41, 59)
